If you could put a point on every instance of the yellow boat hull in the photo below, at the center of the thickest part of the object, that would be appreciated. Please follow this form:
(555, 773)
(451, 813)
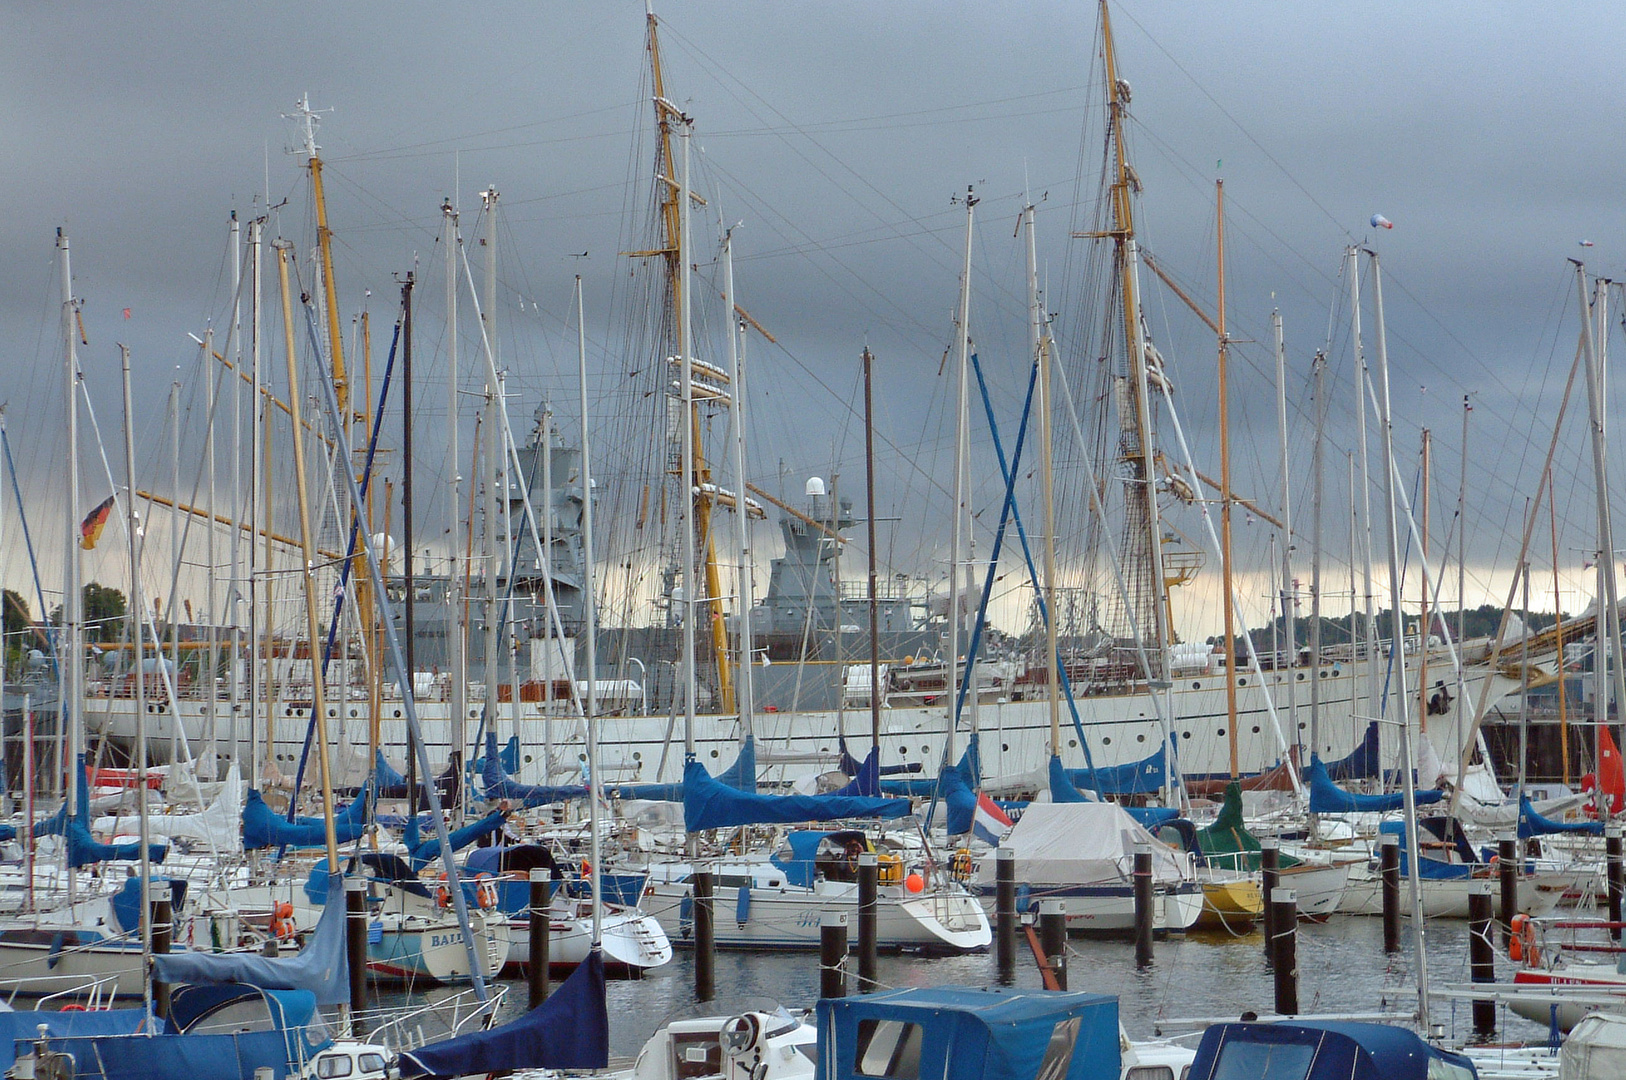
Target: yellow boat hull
(1230, 905)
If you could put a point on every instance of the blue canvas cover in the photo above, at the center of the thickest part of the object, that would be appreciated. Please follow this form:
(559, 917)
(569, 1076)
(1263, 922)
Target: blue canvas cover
(867, 780)
(127, 901)
(84, 849)
(56, 824)
(1141, 777)
(850, 765)
(708, 804)
(1318, 1050)
(421, 852)
(1362, 762)
(262, 828)
(1327, 797)
(742, 775)
(967, 1034)
(1533, 824)
(800, 869)
(321, 967)
(570, 1030)
(20, 1029)
(500, 785)
(298, 1033)
(1061, 785)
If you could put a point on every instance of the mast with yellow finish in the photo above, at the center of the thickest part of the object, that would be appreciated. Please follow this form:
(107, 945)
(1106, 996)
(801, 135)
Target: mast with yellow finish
(701, 491)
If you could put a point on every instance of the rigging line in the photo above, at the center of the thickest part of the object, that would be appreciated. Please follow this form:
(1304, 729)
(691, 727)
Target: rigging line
(364, 155)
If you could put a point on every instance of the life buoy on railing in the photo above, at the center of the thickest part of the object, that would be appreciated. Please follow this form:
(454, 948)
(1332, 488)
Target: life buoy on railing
(485, 893)
(960, 865)
(443, 894)
(282, 921)
(1521, 941)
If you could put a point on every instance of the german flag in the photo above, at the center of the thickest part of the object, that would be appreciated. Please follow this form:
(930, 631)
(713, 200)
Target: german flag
(90, 529)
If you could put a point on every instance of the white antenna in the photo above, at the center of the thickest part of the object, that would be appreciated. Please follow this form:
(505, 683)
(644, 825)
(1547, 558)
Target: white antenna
(308, 119)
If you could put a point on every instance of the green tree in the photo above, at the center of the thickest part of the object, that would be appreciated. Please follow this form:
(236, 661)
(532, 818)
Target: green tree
(102, 609)
(16, 614)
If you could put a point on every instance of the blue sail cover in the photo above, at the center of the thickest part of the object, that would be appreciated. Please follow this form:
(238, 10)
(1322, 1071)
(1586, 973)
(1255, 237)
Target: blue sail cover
(83, 849)
(850, 765)
(1321, 1050)
(1136, 778)
(1328, 798)
(127, 901)
(1533, 824)
(421, 852)
(23, 1026)
(262, 828)
(959, 799)
(966, 1034)
(1362, 762)
(1061, 785)
(741, 775)
(500, 785)
(867, 780)
(708, 804)
(56, 824)
(320, 967)
(570, 1030)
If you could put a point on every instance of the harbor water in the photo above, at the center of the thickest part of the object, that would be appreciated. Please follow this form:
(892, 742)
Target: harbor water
(1342, 969)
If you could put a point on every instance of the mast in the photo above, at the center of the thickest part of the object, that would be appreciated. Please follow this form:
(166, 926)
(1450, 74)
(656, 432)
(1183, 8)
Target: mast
(207, 684)
(175, 565)
(1228, 604)
(1558, 612)
(136, 636)
(1361, 377)
(1462, 530)
(409, 591)
(495, 458)
(688, 501)
(1289, 588)
(456, 615)
(324, 242)
(1428, 620)
(874, 581)
(70, 703)
(234, 594)
(1319, 370)
(307, 541)
(1397, 639)
(1041, 356)
(589, 622)
(742, 524)
(957, 533)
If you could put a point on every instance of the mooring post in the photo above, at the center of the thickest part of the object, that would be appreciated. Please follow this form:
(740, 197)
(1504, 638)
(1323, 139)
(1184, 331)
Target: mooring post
(1053, 938)
(705, 939)
(1616, 879)
(1389, 854)
(869, 872)
(833, 954)
(1142, 878)
(1481, 955)
(163, 931)
(1005, 914)
(536, 962)
(355, 939)
(1270, 876)
(1507, 857)
(1286, 963)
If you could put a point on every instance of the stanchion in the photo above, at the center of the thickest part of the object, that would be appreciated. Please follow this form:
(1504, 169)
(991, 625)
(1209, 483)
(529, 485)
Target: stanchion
(355, 939)
(1142, 878)
(868, 879)
(1053, 938)
(1389, 850)
(1481, 955)
(1507, 857)
(536, 962)
(1285, 965)
(705, 939)
(833, 954)
(1616, 880)
(163, 931)
(1270, 876)
(1005, 914)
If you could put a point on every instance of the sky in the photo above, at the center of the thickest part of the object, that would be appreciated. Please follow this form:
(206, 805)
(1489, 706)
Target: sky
(837, 137)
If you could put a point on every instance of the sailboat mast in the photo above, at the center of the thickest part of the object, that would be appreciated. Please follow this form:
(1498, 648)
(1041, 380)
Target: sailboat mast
(70, 701)
(1397, 638)
(1319, 370)
(324, 244)
(235, 575)
(1361, 375)
(687, 498)
(742, 521)
(1041, 356)
(1428, 614)
(957, 532)
(494, 501)
(1228, 605)
(456, 610)
(409, 593)
(1289, 589)
(874, 581)
(589, 621)
(137, 639)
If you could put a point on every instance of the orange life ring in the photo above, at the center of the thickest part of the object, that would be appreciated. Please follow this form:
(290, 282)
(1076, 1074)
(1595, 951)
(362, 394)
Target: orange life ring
(73, 1006)
(486, 893)
(282, 921)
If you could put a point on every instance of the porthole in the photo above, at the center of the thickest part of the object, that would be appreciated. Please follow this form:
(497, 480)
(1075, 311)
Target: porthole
(583, 757)
(1140, 738)
(333, 714)
(1301, 725)
(1072, 744)
(1242, 682)
(1185, 734)
(1220, 733)
(1196, 686)
(527, 759)
(1106, 740)
(1323, 674)
(1301, 676)
(903, 751)
(353, 714)
(1005, 746)
(925, 750)
(398, 714)
(714, 753)
(1256, 729)
(637, 755)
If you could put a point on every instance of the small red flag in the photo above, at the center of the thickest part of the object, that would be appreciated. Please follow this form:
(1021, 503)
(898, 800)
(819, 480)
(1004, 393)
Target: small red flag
(126, 313)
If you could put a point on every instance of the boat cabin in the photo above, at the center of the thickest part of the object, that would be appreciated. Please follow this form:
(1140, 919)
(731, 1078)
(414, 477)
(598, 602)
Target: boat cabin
(953, 1033)
(1327, 1050)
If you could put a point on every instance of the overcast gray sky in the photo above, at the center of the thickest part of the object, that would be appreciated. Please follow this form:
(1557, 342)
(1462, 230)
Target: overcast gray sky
(836, 133)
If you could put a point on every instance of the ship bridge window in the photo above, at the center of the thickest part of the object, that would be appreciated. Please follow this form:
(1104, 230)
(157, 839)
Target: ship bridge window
(889, 1048)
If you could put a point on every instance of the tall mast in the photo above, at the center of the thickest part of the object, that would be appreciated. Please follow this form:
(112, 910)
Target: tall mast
(589, 619)
(324, 242)
(1397, 639)
(1319, 370)
(70, 703)
(256, 229)
(494, 501)
(207, 684)
(1462, 529)
(874, 580)
(175, 561)
(742, 523)
(688, 499)
(138, 612)
(1289, 590)
(674, 200)
(456, 618)
(957, 533)
(234, 577)
(409, 593)
(1361, 377)
(1039, 343)
(1428, 620)
(1228, 604)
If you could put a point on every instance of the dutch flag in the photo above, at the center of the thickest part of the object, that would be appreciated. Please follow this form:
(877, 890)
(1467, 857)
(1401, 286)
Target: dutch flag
(989, 823)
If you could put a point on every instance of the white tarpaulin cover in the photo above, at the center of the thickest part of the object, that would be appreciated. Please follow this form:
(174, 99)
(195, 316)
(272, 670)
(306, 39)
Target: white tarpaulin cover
(1595, 1050)
(216, 826)
(1082, 844)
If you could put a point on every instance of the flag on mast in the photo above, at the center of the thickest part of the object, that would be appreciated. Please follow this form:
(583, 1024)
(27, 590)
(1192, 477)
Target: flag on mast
(90, 529)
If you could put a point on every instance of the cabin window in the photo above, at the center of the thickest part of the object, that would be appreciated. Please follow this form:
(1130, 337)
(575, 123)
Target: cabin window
(1058, 1056)
(1150, 1072)
(1440, 1069)
(333, 1065)
(1240, 1060)
(372, 1062)
(889, 1048)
